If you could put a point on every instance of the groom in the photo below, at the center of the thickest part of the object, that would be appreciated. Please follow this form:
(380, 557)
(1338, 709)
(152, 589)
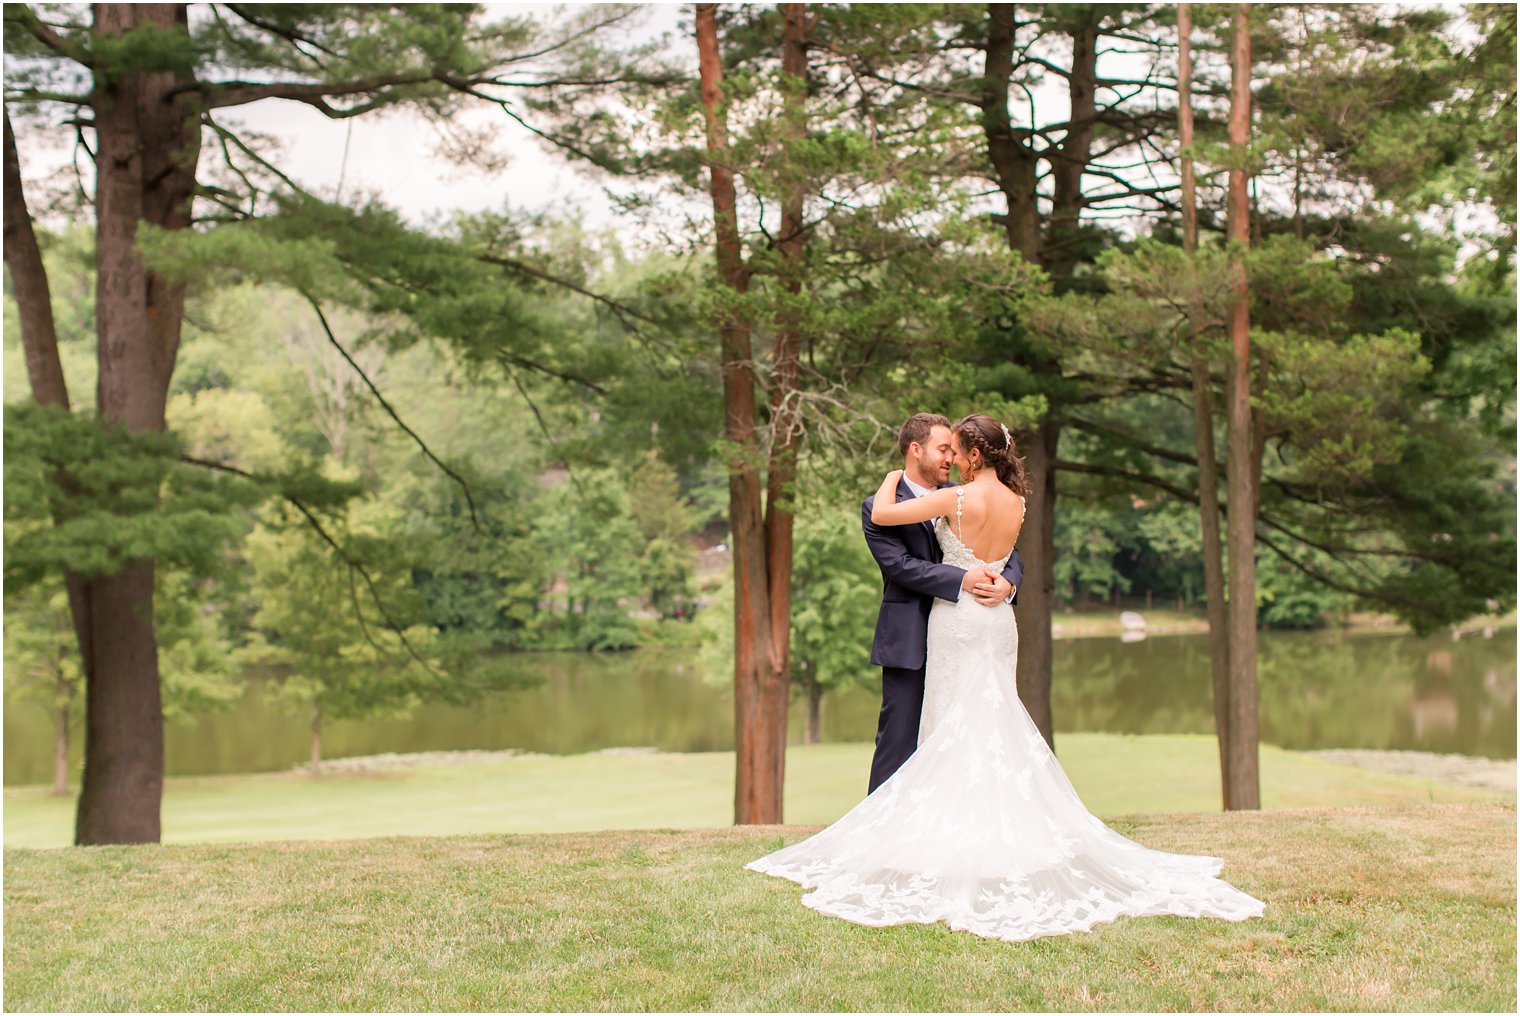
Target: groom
(912, 576)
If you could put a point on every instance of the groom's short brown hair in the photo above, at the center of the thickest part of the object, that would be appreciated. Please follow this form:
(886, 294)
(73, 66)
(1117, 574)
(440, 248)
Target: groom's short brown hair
(917, 428)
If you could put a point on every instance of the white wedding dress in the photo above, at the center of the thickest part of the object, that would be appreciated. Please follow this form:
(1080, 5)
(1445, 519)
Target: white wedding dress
(980, 828)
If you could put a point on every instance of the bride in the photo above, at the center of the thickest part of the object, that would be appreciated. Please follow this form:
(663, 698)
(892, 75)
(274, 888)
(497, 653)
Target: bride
(980, 828)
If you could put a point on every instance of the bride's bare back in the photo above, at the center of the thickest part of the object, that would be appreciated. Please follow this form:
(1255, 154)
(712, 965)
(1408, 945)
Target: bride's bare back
(991, 517)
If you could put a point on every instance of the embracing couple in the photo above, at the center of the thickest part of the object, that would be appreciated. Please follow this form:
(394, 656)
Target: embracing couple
(969, 819)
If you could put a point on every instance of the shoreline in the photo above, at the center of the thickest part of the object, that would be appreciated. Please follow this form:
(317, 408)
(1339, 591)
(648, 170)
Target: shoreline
(397, 795)
(1458, 770)
(1449, 768)
(1107, 623)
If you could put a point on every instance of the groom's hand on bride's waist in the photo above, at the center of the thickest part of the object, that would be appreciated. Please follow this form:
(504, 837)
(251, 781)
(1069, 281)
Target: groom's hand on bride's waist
(987, 588)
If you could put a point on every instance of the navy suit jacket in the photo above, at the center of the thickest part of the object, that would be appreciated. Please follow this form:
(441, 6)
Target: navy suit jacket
(913, 575)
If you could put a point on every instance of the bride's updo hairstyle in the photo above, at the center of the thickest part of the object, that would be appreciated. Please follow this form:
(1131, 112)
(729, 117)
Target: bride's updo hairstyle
(993, 440)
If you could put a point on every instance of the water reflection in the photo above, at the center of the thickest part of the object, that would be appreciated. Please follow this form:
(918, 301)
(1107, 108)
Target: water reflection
(1318, 690)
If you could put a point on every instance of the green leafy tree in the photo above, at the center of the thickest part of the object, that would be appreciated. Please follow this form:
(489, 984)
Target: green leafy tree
(838, 589)
(1086, 548)
(345, 660)
(151, 83)
(593, 542)
(666, 526)
(42, 666)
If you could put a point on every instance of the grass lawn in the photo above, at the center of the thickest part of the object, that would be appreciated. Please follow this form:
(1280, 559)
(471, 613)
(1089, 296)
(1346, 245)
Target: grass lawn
(1407, 907)
(1116, 774)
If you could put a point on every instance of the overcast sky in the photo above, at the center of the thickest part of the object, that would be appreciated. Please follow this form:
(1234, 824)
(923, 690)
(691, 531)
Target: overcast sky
(396, 155)
(393, 154)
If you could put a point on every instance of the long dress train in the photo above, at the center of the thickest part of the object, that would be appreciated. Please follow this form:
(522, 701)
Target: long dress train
(980, 828)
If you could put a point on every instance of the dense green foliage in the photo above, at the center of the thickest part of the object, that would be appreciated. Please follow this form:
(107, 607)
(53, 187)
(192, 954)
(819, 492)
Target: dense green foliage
(500, 431)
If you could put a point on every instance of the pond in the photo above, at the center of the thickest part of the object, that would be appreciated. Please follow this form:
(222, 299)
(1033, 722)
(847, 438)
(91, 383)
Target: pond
(1318, 690)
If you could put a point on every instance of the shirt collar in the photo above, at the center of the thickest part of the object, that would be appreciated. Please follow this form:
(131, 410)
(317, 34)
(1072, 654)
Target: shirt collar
(915, 488)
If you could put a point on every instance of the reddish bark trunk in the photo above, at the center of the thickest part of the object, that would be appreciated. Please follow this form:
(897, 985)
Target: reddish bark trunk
(148, 147)
(759, 759)
(785, 421)
(1203, 426)
(1244, 791)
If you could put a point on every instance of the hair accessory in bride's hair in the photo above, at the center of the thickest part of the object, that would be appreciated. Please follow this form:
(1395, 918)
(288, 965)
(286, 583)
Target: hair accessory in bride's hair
(1007, 437)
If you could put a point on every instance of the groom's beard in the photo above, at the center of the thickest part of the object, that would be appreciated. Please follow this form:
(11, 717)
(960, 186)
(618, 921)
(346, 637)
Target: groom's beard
(934, 475)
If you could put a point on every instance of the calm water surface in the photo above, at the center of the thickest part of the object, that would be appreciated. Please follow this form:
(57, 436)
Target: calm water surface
(1318, 690)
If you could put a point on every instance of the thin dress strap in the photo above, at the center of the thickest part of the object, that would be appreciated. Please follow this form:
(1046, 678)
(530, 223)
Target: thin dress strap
(960, 497)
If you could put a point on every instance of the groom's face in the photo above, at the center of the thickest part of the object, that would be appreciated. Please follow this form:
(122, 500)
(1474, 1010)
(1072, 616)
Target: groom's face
(934, 455)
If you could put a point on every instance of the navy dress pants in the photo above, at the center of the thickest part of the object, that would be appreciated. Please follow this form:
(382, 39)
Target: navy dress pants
(902, 702)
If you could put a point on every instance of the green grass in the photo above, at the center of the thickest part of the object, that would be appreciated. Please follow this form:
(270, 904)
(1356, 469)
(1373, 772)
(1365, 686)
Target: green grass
(1393, 908)
(1115, 774)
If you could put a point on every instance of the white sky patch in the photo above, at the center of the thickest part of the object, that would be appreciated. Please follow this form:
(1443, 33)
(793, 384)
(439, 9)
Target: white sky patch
(400, 157)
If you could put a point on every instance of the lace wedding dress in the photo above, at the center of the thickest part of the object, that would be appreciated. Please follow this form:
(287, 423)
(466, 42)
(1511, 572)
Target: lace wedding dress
(980, 828)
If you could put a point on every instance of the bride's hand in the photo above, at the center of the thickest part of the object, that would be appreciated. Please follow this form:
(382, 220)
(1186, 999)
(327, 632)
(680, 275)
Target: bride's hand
(892, 478)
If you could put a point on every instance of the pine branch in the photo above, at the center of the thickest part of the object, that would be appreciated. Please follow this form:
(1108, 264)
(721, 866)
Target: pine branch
(290, 35)
(315, 94)
(22, 16)
(338, 549)
(543, 425)
(622, 310)
(390, 410)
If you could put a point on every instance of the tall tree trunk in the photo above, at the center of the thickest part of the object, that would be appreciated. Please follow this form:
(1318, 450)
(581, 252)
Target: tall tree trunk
(785, 421)
(1244, 790)
(759, 759)
(1203, 423)
(1015, 166)
(1037, 596)
(148, 145)
(1213, 565)
(1185, 126)
(44, 367)
(29, 282)
(1070, 161)
(1057, 252)
(1014, 163)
